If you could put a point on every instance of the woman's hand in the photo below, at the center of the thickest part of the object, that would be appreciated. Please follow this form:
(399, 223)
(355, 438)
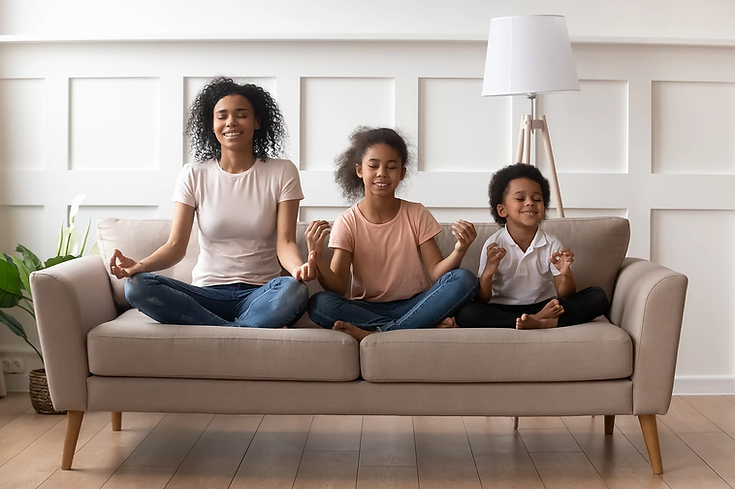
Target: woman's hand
(562, 260)
(494, 255)
(465, 233)
(122, 266)
(315, 234)
(307, 271)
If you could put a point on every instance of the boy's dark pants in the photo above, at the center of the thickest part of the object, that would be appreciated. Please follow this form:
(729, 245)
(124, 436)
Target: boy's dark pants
(582, 307)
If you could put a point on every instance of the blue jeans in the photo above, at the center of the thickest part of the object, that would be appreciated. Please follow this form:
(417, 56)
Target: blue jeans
(278, 303)
(423, 310)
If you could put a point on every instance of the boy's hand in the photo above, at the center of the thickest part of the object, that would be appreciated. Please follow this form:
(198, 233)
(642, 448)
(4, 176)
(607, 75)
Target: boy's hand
(315, 234)
(494, 254)
(563, 260)
(465, 233)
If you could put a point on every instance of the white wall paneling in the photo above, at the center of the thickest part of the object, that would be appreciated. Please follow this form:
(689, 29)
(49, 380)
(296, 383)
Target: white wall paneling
(699, 243)
(693, 127)
(114, 124)
(460, 131)
(649, 135)
(331, 108)
(22, 124)
(589, 129)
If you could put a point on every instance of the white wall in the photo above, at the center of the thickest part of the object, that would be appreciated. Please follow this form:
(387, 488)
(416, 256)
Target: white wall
(649, 137)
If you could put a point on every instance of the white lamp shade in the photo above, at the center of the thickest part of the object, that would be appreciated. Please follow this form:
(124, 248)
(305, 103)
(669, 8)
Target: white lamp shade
(529, 54)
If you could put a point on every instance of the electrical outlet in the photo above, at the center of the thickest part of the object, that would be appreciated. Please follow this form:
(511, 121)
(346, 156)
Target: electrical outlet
(13, 365)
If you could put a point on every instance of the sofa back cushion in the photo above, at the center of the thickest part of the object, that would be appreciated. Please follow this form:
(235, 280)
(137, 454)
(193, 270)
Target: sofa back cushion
(599, 245)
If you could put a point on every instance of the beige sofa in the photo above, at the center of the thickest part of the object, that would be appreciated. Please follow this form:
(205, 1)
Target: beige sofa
(102, 357)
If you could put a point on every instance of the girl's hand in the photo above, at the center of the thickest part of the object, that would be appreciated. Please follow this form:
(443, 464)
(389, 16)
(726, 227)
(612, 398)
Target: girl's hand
(307, 271)
(465, 233)
(315, 234)
(494, 255)
(562, 260)
(122, 266)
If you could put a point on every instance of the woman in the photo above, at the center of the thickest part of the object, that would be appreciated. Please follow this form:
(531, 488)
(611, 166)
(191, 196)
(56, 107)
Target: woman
(246, 204)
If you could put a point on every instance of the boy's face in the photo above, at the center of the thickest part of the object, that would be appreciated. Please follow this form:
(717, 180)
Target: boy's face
(523, 203)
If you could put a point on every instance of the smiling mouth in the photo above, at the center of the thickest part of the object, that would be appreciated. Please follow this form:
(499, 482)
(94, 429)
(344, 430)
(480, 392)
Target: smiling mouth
(232, 134)
(380, 185)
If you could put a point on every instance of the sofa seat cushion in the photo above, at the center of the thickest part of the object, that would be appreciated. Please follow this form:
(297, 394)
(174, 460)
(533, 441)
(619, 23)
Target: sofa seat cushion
(133, 345)
(592, 351)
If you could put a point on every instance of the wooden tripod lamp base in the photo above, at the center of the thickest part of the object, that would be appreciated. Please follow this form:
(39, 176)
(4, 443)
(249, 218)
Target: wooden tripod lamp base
(528, 125)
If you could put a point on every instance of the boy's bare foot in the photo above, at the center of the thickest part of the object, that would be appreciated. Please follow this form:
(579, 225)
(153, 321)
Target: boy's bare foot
(552, 309)
(526, 321)
(352, 330)
(447, 323)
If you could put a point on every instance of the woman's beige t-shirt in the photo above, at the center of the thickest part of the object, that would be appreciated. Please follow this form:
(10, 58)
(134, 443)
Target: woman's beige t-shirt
(237, 216)
(386, 263)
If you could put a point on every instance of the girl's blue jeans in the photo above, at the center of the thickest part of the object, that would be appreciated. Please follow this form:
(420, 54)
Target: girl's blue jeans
(278, 303)
(423, 310)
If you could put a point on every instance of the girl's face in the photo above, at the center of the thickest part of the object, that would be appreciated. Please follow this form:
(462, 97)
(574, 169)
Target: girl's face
(235, 123)
(523, 203)
(381, 170)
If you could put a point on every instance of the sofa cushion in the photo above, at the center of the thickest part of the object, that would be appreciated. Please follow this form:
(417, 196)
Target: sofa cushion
(592, 351)
(134, 345)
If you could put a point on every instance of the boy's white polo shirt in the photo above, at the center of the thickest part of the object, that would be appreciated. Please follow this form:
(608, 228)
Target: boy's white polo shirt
(523, 278)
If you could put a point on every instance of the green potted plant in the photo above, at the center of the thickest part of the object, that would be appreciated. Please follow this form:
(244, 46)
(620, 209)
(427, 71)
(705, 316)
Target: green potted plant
(15, 291)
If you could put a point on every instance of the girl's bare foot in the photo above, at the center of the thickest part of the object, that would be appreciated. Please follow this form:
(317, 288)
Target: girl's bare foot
(352, 330)
(552, 309)
(526, 321)
(447, 323)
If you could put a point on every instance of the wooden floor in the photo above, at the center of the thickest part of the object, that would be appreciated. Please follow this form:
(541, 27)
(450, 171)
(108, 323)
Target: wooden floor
(205, 451)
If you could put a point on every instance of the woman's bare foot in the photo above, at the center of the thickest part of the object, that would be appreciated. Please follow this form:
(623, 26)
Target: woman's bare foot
(352, 330)
(447, 323)
(526, 321)
(552, 309)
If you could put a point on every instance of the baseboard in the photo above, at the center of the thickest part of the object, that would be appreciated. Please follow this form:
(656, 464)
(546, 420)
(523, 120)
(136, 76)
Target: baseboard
(704, 384)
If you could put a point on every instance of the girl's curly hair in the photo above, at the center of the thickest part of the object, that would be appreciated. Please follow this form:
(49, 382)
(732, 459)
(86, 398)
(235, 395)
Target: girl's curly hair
(361, 139)
(501, 181)
(268, 141)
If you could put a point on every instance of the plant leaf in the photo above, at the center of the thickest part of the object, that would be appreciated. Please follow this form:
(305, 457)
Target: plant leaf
(74, 210)
(59, 240)
(94, 250)
(10, 291)
(24, 273)
(29, 258)
(13, 324)
(58, 259)
(84, 239)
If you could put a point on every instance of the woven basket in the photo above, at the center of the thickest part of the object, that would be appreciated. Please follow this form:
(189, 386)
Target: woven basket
(40, 397)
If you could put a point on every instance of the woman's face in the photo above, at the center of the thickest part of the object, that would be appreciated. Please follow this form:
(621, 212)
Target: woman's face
(235, 123)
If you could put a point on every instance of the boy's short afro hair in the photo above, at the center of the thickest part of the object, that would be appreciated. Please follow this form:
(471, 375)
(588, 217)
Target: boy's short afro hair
(501, 181)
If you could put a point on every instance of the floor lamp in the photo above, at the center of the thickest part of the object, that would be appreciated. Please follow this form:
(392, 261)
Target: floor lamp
(530, 55)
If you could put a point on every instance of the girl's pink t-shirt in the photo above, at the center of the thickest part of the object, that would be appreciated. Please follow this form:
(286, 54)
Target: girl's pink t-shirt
(386, 263)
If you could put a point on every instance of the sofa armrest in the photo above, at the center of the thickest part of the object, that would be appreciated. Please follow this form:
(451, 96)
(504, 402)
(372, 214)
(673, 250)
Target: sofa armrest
(70, 299)
(648, 303)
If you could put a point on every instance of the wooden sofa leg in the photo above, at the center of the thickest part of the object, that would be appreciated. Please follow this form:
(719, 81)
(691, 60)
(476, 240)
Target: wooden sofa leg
(609, 424)
(650, 436)
(116, 418)
(73, 425)
(515, 422)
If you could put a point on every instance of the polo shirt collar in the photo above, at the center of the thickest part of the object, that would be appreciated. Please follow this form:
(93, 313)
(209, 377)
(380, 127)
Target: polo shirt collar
(539, 239)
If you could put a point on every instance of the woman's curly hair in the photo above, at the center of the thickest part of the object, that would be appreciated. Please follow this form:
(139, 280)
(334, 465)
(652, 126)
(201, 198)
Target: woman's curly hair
(501, 181)
(361, 139)
(268, 141)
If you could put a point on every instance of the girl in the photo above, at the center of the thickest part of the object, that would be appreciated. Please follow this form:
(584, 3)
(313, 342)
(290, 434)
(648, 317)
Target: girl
(400, 280)
(246, 206)
(526, 280)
